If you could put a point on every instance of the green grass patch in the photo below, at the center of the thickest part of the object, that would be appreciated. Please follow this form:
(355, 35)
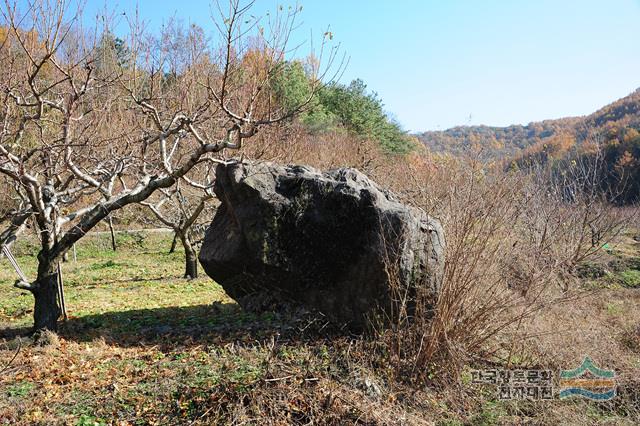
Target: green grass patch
(490, 414)
(125, 290)
(19, 389)
(614, 309)
(630, 278)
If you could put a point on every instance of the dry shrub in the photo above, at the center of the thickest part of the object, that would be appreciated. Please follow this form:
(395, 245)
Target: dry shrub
(290, 144)
(280, 144)
(513, 240)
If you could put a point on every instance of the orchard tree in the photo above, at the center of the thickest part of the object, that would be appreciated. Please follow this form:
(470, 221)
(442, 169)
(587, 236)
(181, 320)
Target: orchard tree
(181, 208)
(81, 143)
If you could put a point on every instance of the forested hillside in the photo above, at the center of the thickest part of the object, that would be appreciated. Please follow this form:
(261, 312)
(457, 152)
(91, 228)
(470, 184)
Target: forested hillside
(518, 140)
(607, 140)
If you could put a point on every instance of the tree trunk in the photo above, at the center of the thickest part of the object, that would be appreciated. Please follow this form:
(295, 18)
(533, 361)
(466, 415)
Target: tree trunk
(174, 243)
(191, 259)
(113, 234)
(191, 271)
(47, 309)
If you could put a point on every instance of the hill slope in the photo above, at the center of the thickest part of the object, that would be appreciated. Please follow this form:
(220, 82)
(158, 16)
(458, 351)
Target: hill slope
(501, 142)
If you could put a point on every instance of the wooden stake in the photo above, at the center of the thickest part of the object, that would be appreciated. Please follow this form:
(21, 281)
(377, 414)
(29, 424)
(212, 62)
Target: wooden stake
(63, 306)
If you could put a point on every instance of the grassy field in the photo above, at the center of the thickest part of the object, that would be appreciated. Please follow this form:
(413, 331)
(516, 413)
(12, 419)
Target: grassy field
(144, 346)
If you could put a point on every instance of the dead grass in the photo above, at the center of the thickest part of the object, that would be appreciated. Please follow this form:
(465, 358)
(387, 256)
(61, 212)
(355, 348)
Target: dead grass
(143, 346)
(146, 347)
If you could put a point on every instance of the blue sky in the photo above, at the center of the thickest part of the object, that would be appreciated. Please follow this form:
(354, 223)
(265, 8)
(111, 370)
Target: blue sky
(437, 64)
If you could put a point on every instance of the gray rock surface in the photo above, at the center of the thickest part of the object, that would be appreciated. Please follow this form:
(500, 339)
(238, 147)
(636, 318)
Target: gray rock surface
(326, 241)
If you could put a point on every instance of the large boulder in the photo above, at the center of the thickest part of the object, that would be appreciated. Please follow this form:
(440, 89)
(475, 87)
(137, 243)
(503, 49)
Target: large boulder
(334, 242)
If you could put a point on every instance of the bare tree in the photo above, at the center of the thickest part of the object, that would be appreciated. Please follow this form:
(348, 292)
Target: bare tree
(83, 140)
(581, 185)
(180, 210)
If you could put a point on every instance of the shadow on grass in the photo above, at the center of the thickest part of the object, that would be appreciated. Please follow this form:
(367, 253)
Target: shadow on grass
(165, 326)
(9, 333)
(218, 323)
(104, 281)
(171, 326)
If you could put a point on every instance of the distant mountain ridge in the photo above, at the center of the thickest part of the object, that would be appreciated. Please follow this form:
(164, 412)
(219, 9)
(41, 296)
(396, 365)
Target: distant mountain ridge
(505, 142)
